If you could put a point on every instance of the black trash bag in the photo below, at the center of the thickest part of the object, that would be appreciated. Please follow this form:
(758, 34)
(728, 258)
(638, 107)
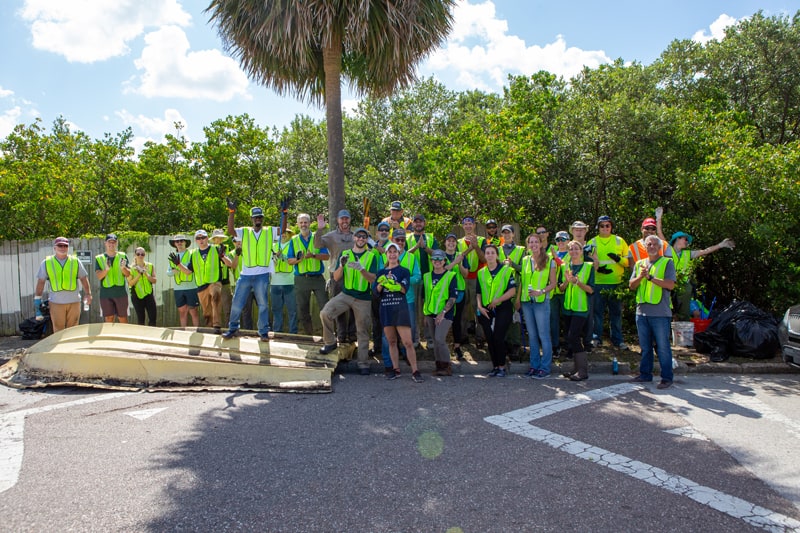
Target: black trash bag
(742, 329)
(32, 329)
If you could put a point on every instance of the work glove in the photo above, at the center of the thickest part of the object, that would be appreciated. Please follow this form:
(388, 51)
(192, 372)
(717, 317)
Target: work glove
(231, 204)
(659, 212)
(615, 257)
(589, 249)
(604, 270)
(299, 255)
(174, 258)
(389, 284)
(727, 243)
(220, 250)
(238, 251)
(37, 305)
(123, 263)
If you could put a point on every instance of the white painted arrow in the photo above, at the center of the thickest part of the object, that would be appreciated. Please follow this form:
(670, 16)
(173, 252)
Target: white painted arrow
(146, 413)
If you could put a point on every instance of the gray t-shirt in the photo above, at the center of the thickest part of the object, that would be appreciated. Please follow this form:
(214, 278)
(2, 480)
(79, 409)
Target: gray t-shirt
(662, 308)
(336, 242)
(61, 297)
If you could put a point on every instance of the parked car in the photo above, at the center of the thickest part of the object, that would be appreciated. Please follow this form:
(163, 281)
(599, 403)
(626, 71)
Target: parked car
(789, 335)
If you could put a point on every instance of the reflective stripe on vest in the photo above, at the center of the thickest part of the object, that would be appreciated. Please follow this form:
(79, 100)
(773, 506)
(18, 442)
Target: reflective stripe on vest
(114, 276)
(353, 279)
(206, 270)
(306, 265)
(143, 287)
(460, 283)
(62, 278)
(575, 298)
(256, 251)
(682, 260)
(282, 265)
(535, 279)
(648, 292)
(436, 295)
(178, 274)
(515, 255)
(493, 287)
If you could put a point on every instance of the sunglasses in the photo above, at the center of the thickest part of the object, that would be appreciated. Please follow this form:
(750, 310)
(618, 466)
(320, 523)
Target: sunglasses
(561, 239)
(62, 245)
(399, 239)
(491, 227)
(201, 238)
(606, 226)
(383, 229)
(140, 254)
(542, 232)
(438, 259)
(650, 228)
(361, 236)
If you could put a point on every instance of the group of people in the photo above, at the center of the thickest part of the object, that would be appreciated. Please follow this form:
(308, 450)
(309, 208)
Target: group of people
(401, 284)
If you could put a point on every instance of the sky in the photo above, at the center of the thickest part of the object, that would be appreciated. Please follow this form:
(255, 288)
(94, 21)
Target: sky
(147, 64)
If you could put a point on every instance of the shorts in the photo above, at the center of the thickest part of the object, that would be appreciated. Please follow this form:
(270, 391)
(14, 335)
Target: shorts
(114, 306)
(395, 315)
(187, 297)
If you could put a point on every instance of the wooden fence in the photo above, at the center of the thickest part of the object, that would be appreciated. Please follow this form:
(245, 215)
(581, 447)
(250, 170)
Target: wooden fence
(20, 260)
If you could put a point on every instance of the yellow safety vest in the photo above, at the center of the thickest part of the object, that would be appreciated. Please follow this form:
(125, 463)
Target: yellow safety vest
(114, 276)
(143, 287)
(353, 280)
(493, 287)
(62, 278)
(206, 271)
(612, 244)
(178, 274)
(648, 292)
(682, 260)
(436, 296)
(282, 265)
(306, 265)
(256, 251)
(472, 257)
(461, 284)
(535, 279)
(575, 298)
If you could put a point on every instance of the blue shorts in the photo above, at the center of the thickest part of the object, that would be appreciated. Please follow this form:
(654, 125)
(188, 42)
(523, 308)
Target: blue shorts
(187, 297)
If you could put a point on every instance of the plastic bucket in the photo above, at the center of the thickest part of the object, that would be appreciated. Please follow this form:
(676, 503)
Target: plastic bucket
(701, 324)
(683, 334)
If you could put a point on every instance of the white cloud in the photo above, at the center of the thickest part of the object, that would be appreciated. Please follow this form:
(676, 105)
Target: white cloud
(171, 70)
(480, 53)
(86, 31)
(717, 29)
(4, 93)
(8, 120)
(151, 128)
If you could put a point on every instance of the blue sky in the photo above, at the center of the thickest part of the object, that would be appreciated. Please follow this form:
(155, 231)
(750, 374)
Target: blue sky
(146, 64)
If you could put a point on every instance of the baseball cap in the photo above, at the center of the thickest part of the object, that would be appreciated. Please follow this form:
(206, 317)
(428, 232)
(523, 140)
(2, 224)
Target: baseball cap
(604, 218)
(579, 224)
(450, 236)
(383, 224)
(648, 222)
(361, 230)
(507, 227)
(438, 254)
(419, 216)
(111, 237)
(343, 213)
(61, 240)
(256, 212)
(393, 245)
(396, 205)
(562, 235)
(399, 232)
(200, 233)
(491, 221)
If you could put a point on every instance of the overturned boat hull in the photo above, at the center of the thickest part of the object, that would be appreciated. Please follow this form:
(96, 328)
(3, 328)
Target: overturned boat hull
(132, 357)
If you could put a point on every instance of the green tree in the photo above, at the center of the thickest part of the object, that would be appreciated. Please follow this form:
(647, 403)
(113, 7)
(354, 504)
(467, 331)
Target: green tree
(306, 48)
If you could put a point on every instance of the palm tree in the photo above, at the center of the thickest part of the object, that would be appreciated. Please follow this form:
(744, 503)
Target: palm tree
(306, 47)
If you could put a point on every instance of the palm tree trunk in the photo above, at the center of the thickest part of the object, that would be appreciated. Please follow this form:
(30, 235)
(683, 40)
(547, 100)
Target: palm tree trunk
(332, 61)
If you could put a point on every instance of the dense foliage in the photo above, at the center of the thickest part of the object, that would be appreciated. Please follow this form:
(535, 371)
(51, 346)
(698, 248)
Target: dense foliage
(711, 132)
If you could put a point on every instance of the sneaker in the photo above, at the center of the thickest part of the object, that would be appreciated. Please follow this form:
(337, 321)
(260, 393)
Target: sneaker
(501, 373)
(417, 377)
(393, 374)
(493, 373)
(328, 348)
(531, 373)
(596, 343)
(664, 384)
(622, 346)
(640, 379)
(231, 333)
(541, 374)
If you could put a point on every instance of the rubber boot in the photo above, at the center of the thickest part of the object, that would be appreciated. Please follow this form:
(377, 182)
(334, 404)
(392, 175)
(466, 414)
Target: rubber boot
(438, 371)
(581, 367)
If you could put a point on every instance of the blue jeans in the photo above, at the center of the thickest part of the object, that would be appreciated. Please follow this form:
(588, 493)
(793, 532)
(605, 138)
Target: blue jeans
(602, 300)
(260, 286)
(655, 328)
(283, 296)
(537, 322)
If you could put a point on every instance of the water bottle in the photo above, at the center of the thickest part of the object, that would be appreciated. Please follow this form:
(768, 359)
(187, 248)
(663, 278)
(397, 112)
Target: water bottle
(614, 366)
(85, 305)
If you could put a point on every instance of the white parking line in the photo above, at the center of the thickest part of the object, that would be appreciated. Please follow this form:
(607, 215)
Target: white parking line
(519, 422)
(12, 428)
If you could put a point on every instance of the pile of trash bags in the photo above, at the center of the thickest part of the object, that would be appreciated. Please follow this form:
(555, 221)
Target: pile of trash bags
(741, 329)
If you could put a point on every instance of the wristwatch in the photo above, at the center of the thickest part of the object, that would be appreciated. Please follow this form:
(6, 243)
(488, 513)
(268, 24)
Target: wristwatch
(649, 277)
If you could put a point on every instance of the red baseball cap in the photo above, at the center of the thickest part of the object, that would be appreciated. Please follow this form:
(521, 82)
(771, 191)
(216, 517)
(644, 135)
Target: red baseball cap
(649, 222)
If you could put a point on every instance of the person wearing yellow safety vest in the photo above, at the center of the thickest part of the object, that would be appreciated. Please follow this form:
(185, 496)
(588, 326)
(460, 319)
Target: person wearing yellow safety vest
(494, 299)
(257, 252)
(141, 282)
(653, 278)
(396, 219)
(511, 254)
(281, 287)
(544, 236)
(579, 230)
(537, 280)
(234, 256)
(557, 296)
(392, 283)
(309, 266)
(682, 256)
(217, 238)
(206, 262)
(356, 269)
(111, 268)
(471, 246)
(62, 271)
(185, 289)
(456, 263)
(421, 245)
(577, 284)
(440, 289)
(610, 258)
